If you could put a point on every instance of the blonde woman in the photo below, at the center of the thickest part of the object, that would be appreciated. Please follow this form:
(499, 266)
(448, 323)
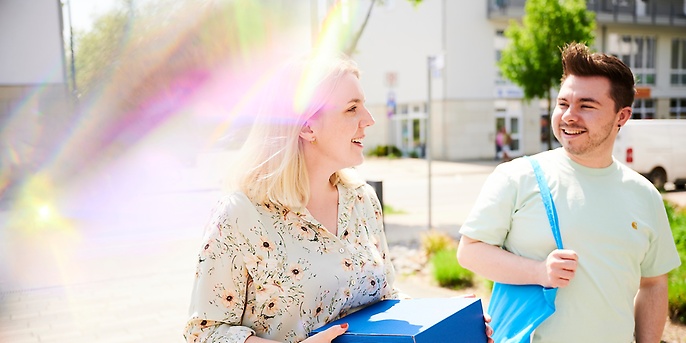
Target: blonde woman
(301, 241)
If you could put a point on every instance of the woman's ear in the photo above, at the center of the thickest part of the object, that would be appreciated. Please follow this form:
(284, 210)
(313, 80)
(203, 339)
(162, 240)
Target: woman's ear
(306, 133)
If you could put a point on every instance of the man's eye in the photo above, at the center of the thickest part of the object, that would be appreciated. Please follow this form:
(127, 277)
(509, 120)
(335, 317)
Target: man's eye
(352, 109)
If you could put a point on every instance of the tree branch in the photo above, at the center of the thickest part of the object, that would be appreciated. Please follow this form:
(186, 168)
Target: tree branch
(353, 45)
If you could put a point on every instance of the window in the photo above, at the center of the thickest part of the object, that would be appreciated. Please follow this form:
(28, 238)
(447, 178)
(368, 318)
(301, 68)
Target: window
(638, 52)
(678, 66)
(644, 109)
(677, 108)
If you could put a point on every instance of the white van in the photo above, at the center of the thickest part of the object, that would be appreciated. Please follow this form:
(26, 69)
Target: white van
(656, 148)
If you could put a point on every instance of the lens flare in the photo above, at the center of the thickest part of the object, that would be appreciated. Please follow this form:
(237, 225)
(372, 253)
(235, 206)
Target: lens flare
(177, 79)
(336, 34)
(34, 211)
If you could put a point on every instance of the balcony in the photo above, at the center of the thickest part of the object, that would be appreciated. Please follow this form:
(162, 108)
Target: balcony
(640, 12)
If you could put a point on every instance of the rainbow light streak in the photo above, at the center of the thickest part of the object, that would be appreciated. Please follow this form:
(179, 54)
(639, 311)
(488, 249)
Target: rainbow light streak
(126, 137)
(335, 34)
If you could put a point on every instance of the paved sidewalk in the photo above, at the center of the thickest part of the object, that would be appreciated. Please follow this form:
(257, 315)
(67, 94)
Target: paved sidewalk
(124, 273)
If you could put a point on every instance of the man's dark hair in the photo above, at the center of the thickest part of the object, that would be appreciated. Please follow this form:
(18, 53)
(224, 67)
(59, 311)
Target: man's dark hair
(578, 60)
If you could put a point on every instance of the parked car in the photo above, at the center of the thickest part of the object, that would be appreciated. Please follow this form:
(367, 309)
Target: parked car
(656, 148)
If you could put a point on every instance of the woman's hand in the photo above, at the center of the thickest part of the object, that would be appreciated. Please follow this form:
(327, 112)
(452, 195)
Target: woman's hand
(487, 318)
(327, 335)
(489, 329)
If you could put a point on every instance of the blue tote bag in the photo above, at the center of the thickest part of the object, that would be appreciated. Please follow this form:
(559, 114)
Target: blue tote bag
(517, 310)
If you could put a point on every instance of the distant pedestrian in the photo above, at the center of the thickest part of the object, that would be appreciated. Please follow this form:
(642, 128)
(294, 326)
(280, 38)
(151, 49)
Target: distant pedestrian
(502, 144)
(612, 274)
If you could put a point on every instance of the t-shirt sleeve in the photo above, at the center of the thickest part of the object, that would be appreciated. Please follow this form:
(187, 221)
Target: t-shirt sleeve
(490, 218)
(662, 255)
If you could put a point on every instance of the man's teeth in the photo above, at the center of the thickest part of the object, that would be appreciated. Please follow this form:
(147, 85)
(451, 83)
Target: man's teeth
(573, 132)
(357, 141)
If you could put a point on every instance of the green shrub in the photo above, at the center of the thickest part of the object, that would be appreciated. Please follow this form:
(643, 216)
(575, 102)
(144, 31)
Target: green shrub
(677, 292)
(434, 241)
(385, 150)
(388, 209)
(488, 284)
(677, 277)
(447, 272)
(677, 220)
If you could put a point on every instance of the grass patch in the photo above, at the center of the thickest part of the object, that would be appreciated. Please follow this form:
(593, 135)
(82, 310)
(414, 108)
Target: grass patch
(677, 277)
(448, 272)
(388, 209)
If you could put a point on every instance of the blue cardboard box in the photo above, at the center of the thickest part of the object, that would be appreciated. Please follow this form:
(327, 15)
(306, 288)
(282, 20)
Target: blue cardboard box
(427, 320)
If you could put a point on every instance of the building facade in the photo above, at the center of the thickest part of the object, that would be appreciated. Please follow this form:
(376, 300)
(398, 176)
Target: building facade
(447, 51)
(35, 101)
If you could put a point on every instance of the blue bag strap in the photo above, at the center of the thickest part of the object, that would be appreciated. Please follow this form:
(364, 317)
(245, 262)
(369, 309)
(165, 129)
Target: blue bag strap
(547, 201)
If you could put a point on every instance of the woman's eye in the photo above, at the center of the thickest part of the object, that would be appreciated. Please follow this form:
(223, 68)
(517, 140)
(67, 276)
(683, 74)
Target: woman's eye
(352, 109)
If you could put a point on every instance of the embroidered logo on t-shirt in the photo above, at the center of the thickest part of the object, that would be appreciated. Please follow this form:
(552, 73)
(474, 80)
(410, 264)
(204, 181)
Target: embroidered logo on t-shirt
(634, 225)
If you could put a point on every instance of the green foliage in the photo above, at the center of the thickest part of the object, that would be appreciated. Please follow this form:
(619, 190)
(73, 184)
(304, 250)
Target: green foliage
(388, 209)
(138, 51)
(677, 292)
(97, 50)
(677, 220)
(532, 60)
(677, 277)
(434, 241)
(386, 151)
(448, 272)
(488, 284)
(141, 65)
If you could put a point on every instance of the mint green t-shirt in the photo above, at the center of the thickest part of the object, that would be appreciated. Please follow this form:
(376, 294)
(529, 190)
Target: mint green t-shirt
(612, 217)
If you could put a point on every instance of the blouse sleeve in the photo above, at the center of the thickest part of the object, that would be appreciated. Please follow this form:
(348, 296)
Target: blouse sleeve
(218, 299)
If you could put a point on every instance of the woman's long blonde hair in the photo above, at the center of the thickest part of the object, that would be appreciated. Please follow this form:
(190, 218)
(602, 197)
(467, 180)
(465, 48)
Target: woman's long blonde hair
(271, 167)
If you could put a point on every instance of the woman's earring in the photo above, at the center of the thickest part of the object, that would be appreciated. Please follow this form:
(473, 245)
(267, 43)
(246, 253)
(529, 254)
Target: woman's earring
(314, 140)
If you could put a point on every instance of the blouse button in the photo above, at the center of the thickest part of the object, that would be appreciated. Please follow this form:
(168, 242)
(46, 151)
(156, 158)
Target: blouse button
(341, 250)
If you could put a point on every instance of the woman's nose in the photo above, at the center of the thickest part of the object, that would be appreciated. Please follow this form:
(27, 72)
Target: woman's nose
(368, 119)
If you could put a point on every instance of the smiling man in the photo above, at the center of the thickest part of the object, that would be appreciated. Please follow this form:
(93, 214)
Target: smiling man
(618, 244)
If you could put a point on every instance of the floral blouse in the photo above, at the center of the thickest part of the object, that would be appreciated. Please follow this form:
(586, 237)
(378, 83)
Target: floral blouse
(266, 271)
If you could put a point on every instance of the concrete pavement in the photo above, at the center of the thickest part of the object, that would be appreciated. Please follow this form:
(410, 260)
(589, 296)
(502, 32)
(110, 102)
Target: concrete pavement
(123, 272)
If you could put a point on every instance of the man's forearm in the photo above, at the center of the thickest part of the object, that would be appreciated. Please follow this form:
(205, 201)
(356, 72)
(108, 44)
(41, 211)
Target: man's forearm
(650, 309)
(497, 264)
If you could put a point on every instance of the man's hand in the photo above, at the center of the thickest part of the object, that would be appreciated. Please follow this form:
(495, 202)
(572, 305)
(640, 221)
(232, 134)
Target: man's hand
(560, 267)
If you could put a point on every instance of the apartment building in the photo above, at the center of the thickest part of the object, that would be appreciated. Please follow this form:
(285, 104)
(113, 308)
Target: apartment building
(447, 51)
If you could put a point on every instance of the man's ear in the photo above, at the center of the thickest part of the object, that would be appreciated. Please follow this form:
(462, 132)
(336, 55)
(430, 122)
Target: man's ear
(624, 116)
(306, 133)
